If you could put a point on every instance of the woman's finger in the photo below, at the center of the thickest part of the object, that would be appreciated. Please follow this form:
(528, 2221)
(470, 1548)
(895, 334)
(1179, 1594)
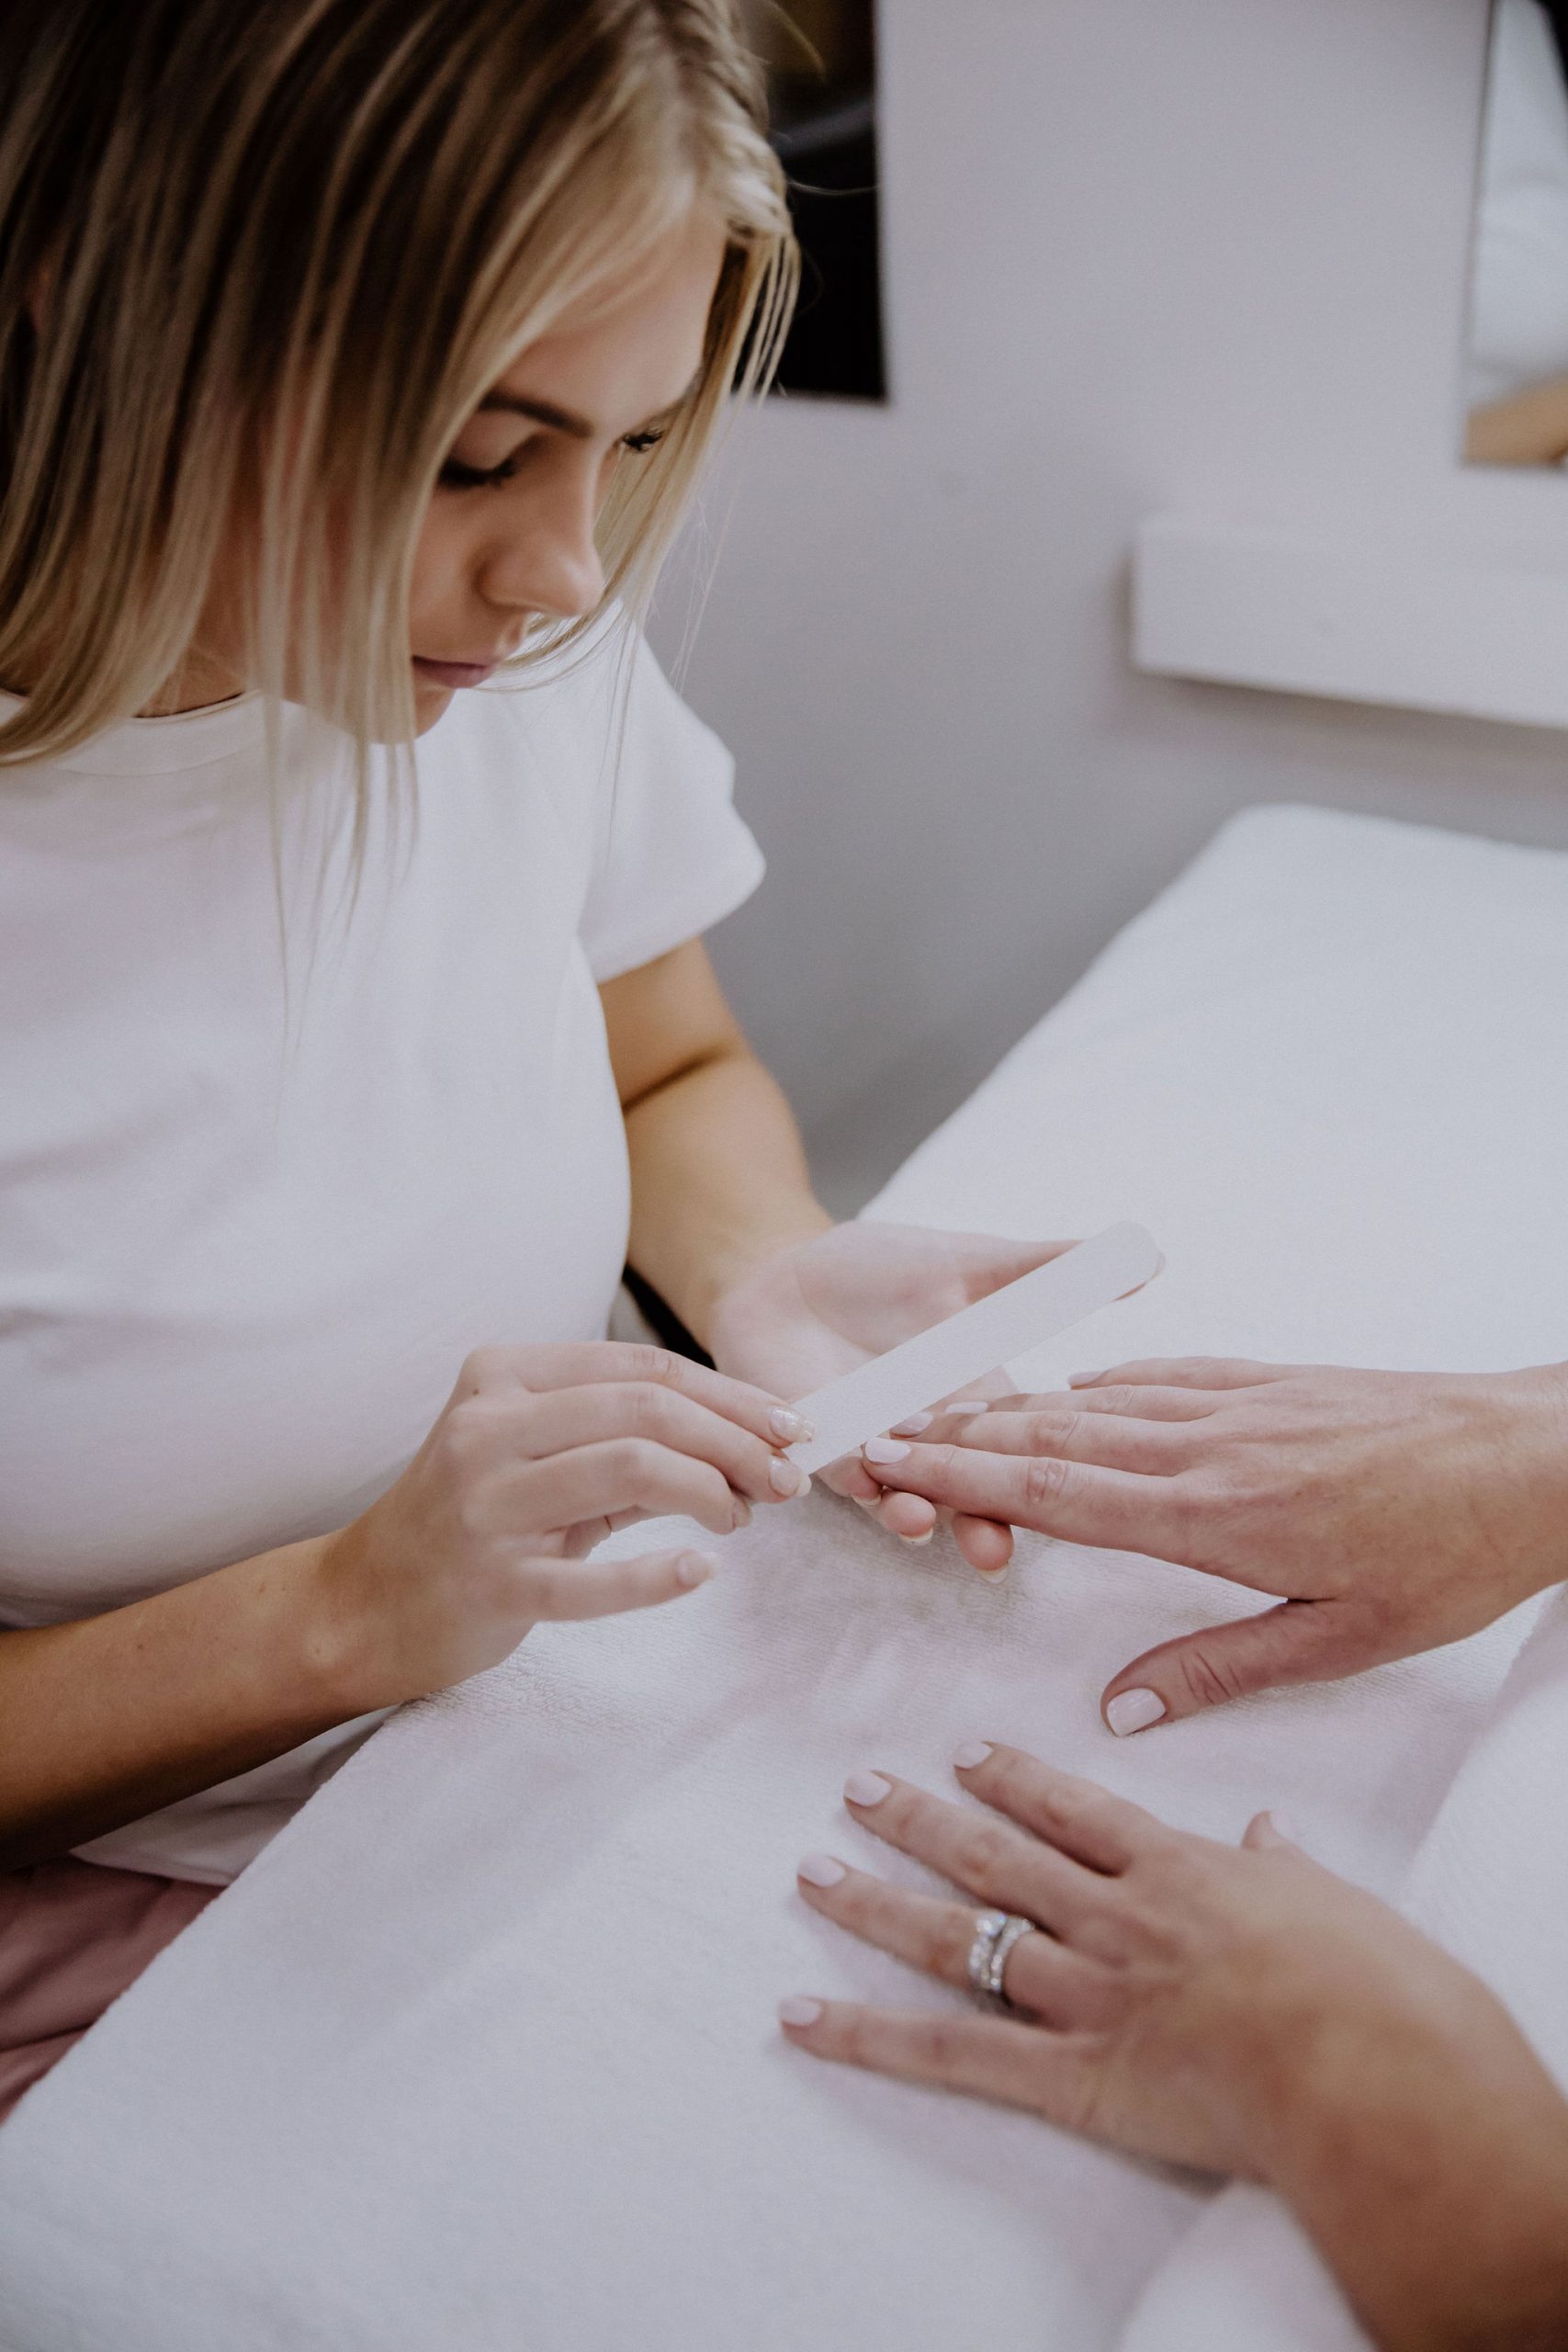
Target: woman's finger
(565, 1418)
(984, 1543)
(1185, 1372)
(990, 1858)
(578, 1590)
(1118, 1396)
(1078, 1817)
(1042, 1975)
(1157, 1448)
(1054, 2076)
(586, 1363)
(1119, 1509)
(630, 1473)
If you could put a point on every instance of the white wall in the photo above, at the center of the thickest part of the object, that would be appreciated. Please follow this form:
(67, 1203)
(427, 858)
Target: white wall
(1199, 256)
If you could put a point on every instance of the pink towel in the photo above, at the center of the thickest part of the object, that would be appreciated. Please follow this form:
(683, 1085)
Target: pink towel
(72, 1936)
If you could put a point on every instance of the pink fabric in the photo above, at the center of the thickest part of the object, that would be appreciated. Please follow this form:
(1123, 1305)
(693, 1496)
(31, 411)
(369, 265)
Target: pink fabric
(72, 1936)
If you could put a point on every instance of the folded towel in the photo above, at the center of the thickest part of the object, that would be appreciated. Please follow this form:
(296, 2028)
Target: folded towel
(480, 2050)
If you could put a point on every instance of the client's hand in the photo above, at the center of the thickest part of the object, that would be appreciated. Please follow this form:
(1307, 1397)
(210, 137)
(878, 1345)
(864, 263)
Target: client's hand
(815, 1312)
(1235, 2008)
(1391, 1511)
(539, 1453)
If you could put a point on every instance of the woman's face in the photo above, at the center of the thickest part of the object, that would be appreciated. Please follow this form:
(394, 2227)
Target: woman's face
(509, 534)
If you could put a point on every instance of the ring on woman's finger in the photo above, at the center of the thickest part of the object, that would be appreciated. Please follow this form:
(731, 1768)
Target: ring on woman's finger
(996, 1932)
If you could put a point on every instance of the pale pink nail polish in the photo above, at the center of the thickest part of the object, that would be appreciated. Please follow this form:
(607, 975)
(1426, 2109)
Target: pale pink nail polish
(821, 1870)
(1083, 1379)
(696, 1567)
(1283, 1825)
(966, 1408)
(915, 1541)
(867, 1788)
(787, 1478)
(973, 1752)
(912, 1426)
(785, 1424)
(799, 2011)
(1132, 1710)
(883, 1449)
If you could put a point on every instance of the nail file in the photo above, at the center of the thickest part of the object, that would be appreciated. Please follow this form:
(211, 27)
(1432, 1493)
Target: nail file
(1012, 1320)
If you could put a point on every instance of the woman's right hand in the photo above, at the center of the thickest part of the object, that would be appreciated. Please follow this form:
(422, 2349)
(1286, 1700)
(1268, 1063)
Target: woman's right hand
(541, 1453)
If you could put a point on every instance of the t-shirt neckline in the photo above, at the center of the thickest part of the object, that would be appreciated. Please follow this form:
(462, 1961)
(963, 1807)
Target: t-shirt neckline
(182, 738)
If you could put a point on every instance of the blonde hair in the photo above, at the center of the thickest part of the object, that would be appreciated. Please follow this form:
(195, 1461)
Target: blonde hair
(281, 248)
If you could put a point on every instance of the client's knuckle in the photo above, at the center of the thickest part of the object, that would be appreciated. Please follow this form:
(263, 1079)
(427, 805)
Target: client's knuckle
(1210, 1677)
(1044, 1481)
(657, 1364)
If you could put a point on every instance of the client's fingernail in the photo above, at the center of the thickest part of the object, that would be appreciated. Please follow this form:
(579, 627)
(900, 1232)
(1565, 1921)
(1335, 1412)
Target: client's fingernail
(799, 2011)
(820, 1870)
(912, 1426)
(1083, 1379)
(742, 1517)
(918, 1540)
(785, 1424)
(992, 1576)
(1133, 1711)
(883, 1449)
(696, 1567)
(1284, 1825)
(965, 1408)
(786, 1478)
(973, 1752)
(867, 1788)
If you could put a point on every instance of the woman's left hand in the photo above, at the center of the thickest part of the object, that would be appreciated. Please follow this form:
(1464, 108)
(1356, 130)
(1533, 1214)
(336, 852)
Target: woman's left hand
(817, 1311)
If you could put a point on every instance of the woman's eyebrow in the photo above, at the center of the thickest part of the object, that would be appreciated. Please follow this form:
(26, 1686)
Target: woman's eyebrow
(566, 420)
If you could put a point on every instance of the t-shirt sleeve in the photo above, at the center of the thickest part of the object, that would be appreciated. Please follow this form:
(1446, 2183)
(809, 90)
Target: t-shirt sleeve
(673, 856)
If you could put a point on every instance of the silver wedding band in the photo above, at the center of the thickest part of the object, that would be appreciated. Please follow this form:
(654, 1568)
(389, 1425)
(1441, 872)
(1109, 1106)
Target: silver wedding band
(996, 1932)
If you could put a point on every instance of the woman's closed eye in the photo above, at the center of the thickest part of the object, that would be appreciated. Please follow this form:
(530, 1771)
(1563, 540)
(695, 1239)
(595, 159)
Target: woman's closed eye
(458, 475)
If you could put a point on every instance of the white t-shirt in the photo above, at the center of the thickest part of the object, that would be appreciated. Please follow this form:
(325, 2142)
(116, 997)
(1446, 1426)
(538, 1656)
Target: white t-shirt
(248, 1231)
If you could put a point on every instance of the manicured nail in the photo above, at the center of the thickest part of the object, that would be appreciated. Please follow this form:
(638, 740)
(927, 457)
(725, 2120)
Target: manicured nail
(820, 1870)
(912, 1426)
(916, 1541)
(1083, 1379)
(1133, 1711)
(966, 1408)
(696, 1567)
(993, 1576)
(867, 1788)
(799, 2011)
(788, 1424)
(742, 1517)
(883, 1449)
(786, 1478)
(973, 1752)
(1284, 1825)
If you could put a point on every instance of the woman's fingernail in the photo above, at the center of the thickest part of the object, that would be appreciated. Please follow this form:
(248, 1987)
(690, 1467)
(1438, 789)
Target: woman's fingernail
(821, 1870)
(785, 1424)
(1133, 1711)
(742, 1515)
(696, 1567)
(918, 1540)
(911, 1426)
(867, 1788)
(799, 2011)
(1284, 1825)
(992, 1576)
(973, 1752)
(786, 1478)
(883, 1449)
(1083, 1379)
(966, 1408)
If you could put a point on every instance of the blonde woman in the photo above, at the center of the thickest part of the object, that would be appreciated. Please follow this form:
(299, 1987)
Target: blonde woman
(352, 354)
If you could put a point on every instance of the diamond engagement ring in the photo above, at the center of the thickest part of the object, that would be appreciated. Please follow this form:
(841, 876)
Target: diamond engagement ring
(996, 1932)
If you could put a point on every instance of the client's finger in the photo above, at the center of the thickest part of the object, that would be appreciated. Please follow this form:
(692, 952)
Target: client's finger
(984, 1543)
(1078, 1817)
(1115, 1440)
(1081, 1502)
(1300, 1641)
(1041, 1974)
(579, 1589)
(1119, 1396)
(993, 2058)
(1187, 1372)
(990, 1858)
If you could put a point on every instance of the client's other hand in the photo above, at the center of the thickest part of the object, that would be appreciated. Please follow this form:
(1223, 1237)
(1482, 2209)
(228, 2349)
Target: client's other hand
(1390, 1512)
(1238, 2008)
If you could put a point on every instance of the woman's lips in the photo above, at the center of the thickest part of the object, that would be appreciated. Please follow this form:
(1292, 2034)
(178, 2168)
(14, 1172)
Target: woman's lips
(452, 673)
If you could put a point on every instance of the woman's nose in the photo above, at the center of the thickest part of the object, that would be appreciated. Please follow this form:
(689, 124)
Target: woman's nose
(552, 565)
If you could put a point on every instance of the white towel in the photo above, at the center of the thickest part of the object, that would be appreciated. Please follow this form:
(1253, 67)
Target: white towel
(1491, 1884)
(480, 2052)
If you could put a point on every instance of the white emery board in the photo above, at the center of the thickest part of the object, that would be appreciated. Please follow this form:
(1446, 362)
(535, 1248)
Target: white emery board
(935, 1363)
